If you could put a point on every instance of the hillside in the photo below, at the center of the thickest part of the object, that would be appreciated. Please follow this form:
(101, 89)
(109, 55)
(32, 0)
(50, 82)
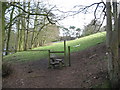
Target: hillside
(88, 66)
(84, 42)
(88, 69)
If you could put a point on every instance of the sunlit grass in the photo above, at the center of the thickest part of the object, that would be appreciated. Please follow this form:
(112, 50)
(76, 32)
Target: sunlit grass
(82, 44)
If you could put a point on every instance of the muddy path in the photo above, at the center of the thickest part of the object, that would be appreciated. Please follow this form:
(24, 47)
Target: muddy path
(89, 68)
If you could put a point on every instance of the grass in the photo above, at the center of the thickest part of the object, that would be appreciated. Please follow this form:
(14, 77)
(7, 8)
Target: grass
(84, 43)
(105, 84)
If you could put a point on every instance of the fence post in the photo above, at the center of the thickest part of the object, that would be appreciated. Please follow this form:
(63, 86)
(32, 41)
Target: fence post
(48, 58)
(65, 52)
(69, 56)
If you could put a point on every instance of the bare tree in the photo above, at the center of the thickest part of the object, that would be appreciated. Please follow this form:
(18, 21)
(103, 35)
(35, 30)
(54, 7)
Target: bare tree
(112, 44)
(9, 31)
(26, 39)
(23, 12)
(109, 10)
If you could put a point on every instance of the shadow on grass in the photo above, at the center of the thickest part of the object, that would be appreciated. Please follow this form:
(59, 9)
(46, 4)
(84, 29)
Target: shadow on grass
(105, 84)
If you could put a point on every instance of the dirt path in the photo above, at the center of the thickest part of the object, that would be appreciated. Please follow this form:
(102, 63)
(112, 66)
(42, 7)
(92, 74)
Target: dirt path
(89, 68)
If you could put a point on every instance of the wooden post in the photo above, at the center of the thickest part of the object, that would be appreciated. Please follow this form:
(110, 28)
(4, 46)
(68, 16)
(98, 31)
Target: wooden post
(69, 56)
(65, 53)
(48, 58)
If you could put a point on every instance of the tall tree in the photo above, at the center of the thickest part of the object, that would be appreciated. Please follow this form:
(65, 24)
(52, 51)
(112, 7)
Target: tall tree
(34, 29)
(9, 31)
(1, 56)
(19, 33)
(26, 39)
(112, 44)
(24, 25)
(23, 16)
(4, 7)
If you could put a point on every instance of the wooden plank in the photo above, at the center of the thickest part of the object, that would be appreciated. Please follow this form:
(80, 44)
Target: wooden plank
(56, 51)
(59, 60)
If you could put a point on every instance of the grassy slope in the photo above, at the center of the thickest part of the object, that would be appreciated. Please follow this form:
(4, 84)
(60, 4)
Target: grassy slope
(84, 42)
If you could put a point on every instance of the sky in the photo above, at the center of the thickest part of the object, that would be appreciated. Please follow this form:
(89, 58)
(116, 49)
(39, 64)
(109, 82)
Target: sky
(79, 20)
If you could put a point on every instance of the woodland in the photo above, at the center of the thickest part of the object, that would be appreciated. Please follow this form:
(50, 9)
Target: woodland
(33, 25)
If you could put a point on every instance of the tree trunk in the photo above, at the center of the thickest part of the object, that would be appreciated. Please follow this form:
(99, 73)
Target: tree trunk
(20, 40)
(112, 45)
(3, 24)
(1, 47)
(26, 41)
(34, 29)
(9, 31)
(17, 36)
(119, 25)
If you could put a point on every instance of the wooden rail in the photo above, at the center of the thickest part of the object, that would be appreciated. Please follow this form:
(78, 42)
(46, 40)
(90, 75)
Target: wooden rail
(56, 51)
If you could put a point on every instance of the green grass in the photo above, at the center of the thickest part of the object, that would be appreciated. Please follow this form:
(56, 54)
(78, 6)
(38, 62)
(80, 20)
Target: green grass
(84, 42)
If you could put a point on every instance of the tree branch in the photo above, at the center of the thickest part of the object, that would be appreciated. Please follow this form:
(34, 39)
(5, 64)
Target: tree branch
(28, 12)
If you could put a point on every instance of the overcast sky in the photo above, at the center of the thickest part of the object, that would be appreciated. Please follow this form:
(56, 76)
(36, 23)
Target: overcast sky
(79, 20)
